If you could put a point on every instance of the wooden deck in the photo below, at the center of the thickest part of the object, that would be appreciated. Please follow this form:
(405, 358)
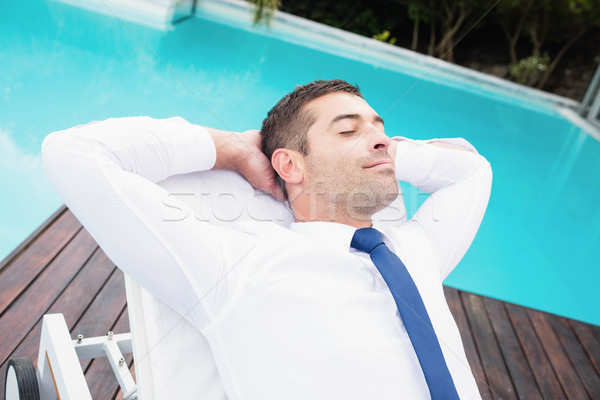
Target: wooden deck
(515, 352)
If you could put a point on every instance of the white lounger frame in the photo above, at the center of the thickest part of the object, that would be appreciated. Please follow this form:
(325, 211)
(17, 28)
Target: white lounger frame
(59, 372)
(59, 368)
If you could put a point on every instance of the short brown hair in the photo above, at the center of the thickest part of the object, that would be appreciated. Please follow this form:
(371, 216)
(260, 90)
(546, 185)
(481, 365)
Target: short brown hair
(287, 124)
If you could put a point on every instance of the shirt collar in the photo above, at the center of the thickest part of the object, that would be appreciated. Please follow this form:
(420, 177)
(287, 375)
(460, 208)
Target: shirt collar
(332, 233)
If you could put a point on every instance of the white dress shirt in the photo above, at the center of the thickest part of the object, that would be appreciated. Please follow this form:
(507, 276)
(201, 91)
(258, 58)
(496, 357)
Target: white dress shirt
(289, 312)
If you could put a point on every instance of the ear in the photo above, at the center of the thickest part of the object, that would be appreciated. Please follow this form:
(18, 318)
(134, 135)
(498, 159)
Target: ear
(289, 164)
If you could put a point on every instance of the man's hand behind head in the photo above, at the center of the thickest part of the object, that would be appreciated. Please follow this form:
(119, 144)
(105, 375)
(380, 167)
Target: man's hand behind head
(242, 152)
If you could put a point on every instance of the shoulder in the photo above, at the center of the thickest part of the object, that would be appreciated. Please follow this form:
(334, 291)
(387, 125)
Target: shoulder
(224, 197)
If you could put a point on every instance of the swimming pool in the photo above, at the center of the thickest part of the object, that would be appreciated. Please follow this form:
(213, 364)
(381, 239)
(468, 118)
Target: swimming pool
(61, 66)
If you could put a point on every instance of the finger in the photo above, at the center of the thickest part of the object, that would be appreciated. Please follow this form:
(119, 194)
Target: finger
(273, 189)
(278, 193)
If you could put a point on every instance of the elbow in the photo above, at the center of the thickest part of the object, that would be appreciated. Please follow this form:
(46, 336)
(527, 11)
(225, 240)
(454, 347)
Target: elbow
(481, 173)
(485, 175)
(486, 168)
(65, 155)
(56, 163)
(480, 168)
(55, 149)
(51, 146)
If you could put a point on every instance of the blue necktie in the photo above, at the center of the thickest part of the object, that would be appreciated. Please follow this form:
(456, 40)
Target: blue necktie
(412, 310)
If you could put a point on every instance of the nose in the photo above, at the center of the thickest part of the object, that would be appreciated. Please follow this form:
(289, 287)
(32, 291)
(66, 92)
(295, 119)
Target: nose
(380, 141)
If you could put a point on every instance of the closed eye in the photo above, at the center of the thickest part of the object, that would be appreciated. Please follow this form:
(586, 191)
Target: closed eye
(347, 132)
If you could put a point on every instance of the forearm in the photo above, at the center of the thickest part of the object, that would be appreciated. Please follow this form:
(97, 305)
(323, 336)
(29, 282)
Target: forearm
(105, 173)
(433, 165)
(153, 149)
(459, 180)
(227, 148)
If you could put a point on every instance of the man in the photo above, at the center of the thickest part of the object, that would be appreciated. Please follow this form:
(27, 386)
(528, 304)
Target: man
(298, 312)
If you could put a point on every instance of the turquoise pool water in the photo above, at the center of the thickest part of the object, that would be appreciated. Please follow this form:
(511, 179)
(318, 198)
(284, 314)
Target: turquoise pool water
(61, 66)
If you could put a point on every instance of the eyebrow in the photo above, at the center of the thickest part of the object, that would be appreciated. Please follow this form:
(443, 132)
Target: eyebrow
(340, 117)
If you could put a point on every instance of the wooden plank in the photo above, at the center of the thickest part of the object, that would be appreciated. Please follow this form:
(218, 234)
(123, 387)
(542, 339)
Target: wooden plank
(104, 311)
(512, 352)
(542, 370)
(24, 312)
(578, 357)
(571, 384)
(107, 387)
(75, 299)
(19, 273)
(489, 351)
(82, 291)
(455, 304)
(590, 343)
(24, 245)
(596, 330)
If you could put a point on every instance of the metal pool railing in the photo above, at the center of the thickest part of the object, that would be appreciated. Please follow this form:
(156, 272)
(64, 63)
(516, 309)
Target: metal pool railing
(590, 105)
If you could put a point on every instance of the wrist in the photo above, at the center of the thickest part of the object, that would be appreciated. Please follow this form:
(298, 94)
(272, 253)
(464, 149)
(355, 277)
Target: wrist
(227, 149)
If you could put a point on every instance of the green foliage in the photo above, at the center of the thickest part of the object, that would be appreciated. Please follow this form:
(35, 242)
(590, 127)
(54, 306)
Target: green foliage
(384, 36)
(535, 34)
(364, 17)
(264, 11)
(581, 6)
(420, 10)
(529, 70)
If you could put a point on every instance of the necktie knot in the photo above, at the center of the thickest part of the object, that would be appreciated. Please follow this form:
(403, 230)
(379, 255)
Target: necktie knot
(366, 239)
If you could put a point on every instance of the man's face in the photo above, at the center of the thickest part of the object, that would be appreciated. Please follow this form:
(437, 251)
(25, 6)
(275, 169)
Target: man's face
(349, 159)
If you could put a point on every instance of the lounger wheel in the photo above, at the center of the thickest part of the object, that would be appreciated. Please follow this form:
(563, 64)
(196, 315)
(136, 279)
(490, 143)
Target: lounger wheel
(21, 381)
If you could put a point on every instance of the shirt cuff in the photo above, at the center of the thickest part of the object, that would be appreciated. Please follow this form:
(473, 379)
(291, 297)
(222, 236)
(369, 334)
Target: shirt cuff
(454, 141)
(414, 161)
(193, 148)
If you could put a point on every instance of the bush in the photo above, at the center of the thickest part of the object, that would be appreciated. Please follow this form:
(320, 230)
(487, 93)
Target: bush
(384, 36)
(529, 70)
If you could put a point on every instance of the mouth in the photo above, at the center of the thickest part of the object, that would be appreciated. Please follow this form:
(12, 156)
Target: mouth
(380, 163)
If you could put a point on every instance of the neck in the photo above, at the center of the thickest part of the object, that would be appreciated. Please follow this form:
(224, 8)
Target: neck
(308, 208)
